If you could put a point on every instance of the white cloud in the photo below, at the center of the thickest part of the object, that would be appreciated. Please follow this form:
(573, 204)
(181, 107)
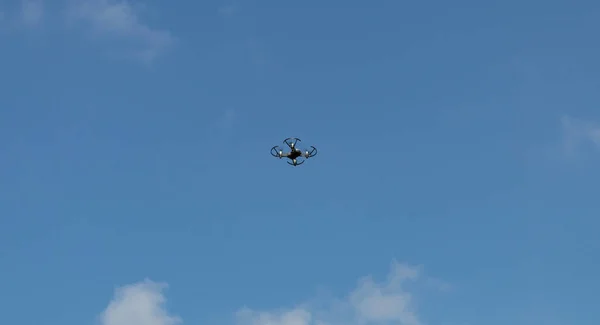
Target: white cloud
(32, 12)
(370, 303)
(578, 133)
(382, 303)
(138, 304)
(120, 20)
(296, 316)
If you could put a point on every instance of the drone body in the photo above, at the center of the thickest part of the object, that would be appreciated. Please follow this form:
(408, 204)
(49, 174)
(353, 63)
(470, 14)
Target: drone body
(294, 153)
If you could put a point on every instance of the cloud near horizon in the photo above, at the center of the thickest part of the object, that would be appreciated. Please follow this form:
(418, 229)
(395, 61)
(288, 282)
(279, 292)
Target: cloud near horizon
(370, 303)
(140, 303)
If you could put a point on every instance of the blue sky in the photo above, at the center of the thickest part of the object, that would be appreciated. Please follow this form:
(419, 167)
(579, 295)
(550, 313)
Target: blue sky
(456, 181)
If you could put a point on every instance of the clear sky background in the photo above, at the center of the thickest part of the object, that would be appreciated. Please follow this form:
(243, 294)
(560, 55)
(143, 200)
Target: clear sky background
(457, 179)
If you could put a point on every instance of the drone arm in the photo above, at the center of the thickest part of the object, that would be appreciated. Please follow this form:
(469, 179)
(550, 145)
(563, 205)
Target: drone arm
(278, 153)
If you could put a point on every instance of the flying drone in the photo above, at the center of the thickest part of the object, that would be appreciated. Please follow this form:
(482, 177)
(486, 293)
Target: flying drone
(294, 153)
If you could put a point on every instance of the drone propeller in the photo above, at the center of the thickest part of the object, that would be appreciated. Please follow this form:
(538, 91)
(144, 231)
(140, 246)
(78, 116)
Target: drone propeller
(312, 153)
(276, 152)
(297, 163)
(289, 144)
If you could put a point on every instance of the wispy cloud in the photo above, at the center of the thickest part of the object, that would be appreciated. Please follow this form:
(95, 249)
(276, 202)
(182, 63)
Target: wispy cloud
(574, 144)
(120, 21)
(32, 12)
(370, 303)
(21, 14)
(579, 133)
(138, 303)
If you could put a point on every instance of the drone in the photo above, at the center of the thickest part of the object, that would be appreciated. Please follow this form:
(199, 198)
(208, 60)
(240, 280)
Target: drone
(294, 153)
